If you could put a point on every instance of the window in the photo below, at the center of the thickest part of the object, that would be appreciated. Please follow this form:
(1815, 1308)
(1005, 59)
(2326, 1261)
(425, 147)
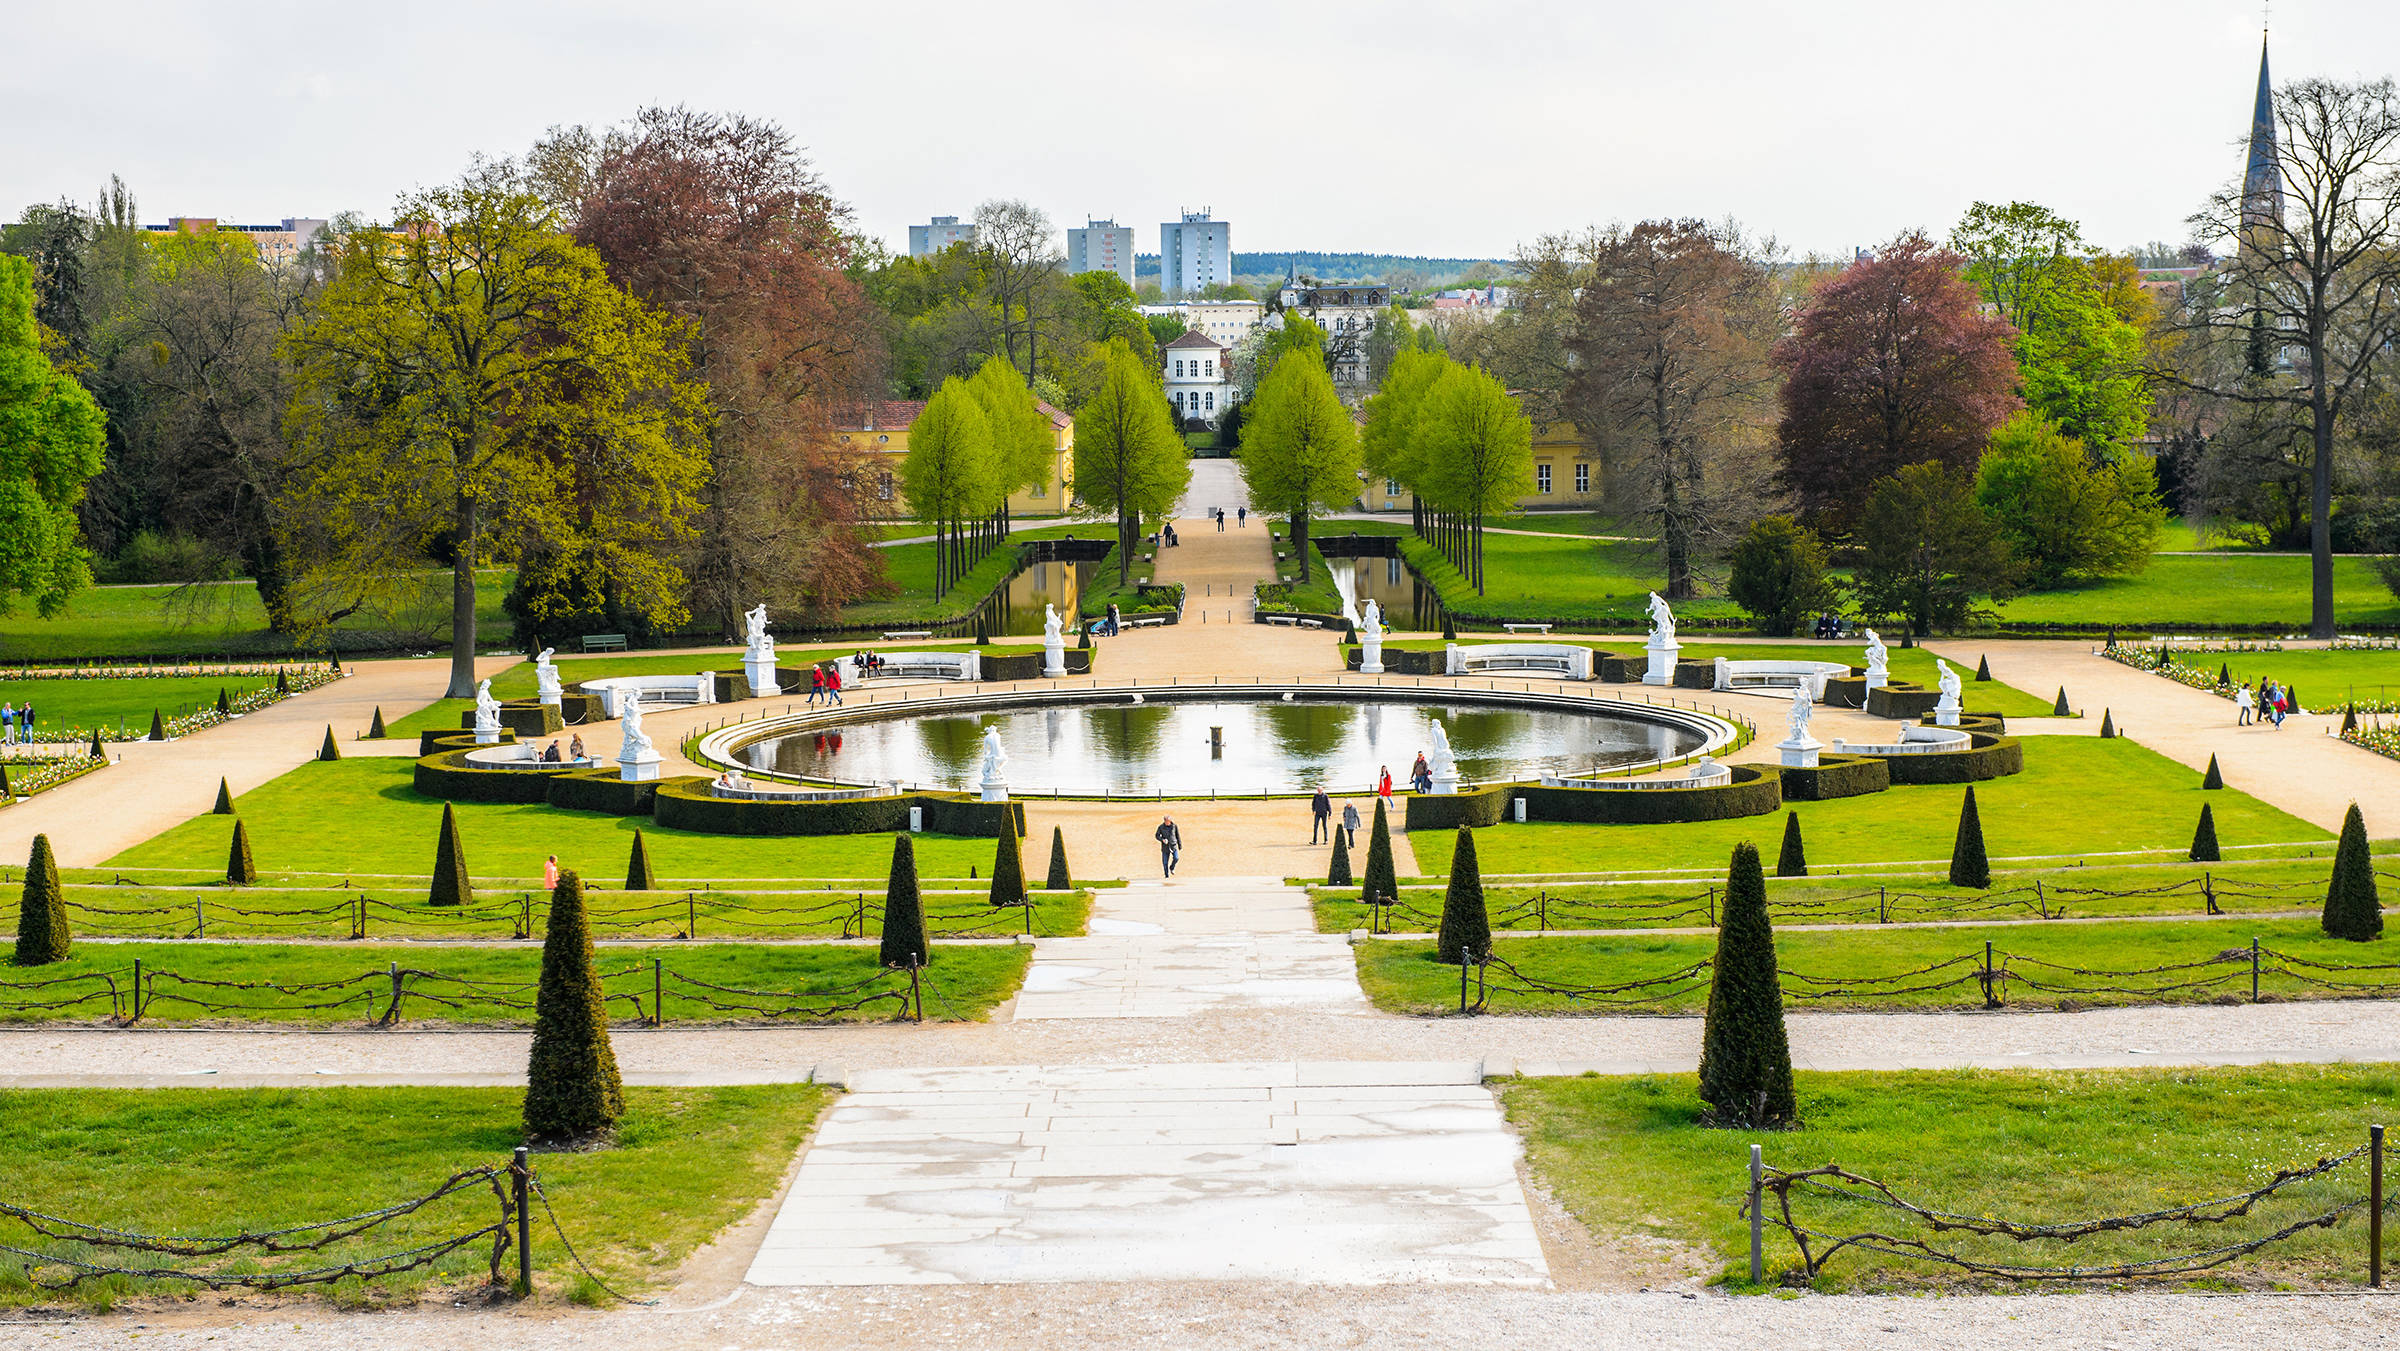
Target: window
(1041, 489)
(1211, 371)
(1583, 477)
(1541, 478)
(1212, 401)
(883, 485)
(1179, 370)
(1391, 487)
(881, 439)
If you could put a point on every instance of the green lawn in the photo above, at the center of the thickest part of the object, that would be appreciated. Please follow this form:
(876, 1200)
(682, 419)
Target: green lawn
(362, 817)
(124, 702)
(226, 618)
(1624, 1155)
(1402, 975)
(687, 1163)
(964, 982)
(910, 569)
(1564, 523)
(2207, 592)
(1913, 664)
(2323, 678)
(2078, 796)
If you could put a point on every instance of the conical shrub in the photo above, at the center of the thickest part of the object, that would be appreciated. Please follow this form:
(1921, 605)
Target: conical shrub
(97, 751)
(638, 876)
(5, 794)
(1337, 873)
(2352, 909)
(1449, 628)
(2349, 719)
(224, 700)
(2224, 675)
(1793, 861)
(1059, 879)
(1008, 867)
(452, 884)
(1983, 667)
(283, 682)
(158, 726)
(224, 805)
(1969, 867)
(331, 749)
(2108, 724)
(1745, 1056)
(239, 870)
(2059, 709)
(2204, 838)
(42, 935)
(572, 1090)
(2214, 778)
(1466, 933)
(375, 731)
(904, 911)
(1381, 879)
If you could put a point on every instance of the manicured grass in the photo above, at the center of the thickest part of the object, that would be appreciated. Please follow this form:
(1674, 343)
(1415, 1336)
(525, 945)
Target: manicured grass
(910, 569)
(226, 618)
(1913, 664)
(124, 703)
(687, 1163)
(1564, 523)
(964, 983)
(361, 817)
(2208, 592)
(2322, 678)
(1401, 975)
(2078, 796)
(1625, 1155)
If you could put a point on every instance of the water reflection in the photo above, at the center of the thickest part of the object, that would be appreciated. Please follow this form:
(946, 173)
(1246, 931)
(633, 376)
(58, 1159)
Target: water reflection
(1407, 602)
(1269, 747)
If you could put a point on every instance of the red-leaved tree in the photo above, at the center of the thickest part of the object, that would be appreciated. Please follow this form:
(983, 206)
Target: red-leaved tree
(1892, 362)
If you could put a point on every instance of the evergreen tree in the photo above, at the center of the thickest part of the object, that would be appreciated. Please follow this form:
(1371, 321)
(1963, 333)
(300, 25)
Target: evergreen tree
(1968, 865)
(638, 876)
(572, 1090)
(1059, 879)
(42, 935)
(2059, 709)
(1466, 925)
(224, 805)
(224, 701)
(2213, 779)
(1008, 867)
(1381, 879)
(1793, 861)
(2352, 909)
(452, 885)
(98, 751)
(239, 870)
(1337, 873)
(2204, 839)
(332, 749)
(158, 726)
(375, 731)
(1744, 1051)
(904, 944)
(2108, 724)
(1983, 667)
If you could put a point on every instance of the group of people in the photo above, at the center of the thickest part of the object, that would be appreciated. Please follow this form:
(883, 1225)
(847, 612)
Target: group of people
(867, 661)
(14, 717)
(1110, 624)
(1320, 810)
(1241, 516)
(1831, 626)
(2269, 703)
(574, 751)
(825, 682)
(1420, 777)
(1167, 538)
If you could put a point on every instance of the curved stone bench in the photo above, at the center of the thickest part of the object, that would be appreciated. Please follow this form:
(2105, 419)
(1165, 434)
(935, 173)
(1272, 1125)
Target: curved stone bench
(1705, 774)
(1913, 741)
(1750, 675)
(917, 665)
(521, 755)
(752, 791)
(1575, 663)
(614, 691)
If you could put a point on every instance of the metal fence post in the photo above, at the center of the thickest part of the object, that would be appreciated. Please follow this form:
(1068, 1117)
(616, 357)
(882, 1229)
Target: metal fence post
(2375, 1206)
(2254, 968)
(137, 989)
(1990, 999)
(658, 996)
(519, 1173)
(1758, 1223)
(392, 1015)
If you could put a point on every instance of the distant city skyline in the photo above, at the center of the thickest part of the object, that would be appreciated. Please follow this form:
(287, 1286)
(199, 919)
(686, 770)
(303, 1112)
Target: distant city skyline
(1828, 127)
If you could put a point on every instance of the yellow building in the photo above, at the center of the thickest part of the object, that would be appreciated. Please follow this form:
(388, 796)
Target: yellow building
(878, 430)
(1566, 476)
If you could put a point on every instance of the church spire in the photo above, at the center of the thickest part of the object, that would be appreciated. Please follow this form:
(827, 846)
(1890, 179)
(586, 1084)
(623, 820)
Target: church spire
(2262, 177)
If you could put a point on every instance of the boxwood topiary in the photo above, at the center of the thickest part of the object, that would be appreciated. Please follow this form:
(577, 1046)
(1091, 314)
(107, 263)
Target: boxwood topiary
(375, 729)
(1059, 878)
(1745, 1055)
(1793, 861)
(1381, 880)
(1008, 869)
(2204, 838)
(1466, 932)
(240, 871)
(904, 944)
(2214, 778)
(638, 876)
(2352, 908)
(158, 726)
(1969, 866)
(2059, 709)
(1337, 873)
(42, 933)
(224, 701)
(572, 1089)
(452, 885)
(224, 805)
(331, 749)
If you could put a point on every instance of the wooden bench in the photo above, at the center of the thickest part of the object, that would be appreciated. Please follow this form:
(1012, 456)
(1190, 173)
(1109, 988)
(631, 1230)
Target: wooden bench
(604, 642)
(898, 634)
(1526, 628)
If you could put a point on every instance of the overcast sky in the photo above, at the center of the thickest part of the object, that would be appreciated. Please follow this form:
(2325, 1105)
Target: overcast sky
(1401, 127)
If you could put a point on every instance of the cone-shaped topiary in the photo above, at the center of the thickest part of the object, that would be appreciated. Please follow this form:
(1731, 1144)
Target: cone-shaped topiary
(2204, 838)
(375, 731)
(572, 1091)
(1968, 865)
(98, 751)
(1983, 667)
(42, 935)
(452, 884)
(2059, 709)
(239, 870)
(2352, 909)
(1380, 880)
(1744, 1052)
(4, 790)
(2224, 675)
(333, 663)
(2214, 778)
(904, 910)
(638, 876)
(1059, 879)
(158, 726)
(1466, 926)
(1083, 638)
(1337, 873)
(224, 700)
(983, 631)
(283, 682)
(224, 805)
(332, 749)
(1793, 861)
(1008, 867)
(2291, 699)
(2349, 719)
(2108, 724)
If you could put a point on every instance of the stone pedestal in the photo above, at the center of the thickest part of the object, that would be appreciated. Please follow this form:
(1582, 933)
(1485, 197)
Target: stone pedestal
(1662, 662)
(1878, 675)
(640, 769)
(1445, 781)
(487, 736)
(1370, 653)
(995, 790)
(1054, 656)
(761, 671)
(1945, 713)
(1800, 752)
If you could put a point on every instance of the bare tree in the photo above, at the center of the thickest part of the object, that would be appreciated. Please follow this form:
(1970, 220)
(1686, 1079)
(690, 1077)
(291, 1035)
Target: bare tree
(1020, 263)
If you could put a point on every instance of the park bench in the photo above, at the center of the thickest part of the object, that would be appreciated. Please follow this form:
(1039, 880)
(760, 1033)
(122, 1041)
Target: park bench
(1527, 628)
(1143, 621)
(1522, 663)
(897, 635)
(1567, 659)
(938, 665)
(1772, 675)
(604, 642)
(613, 691)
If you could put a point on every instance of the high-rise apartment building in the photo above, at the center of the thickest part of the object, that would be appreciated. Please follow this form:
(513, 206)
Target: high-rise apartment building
(938, 234)
(1101, 246)
(1194, 252)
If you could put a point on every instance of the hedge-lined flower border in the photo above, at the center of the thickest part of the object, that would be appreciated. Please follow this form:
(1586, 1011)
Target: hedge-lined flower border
(297, 679)
(28, 777)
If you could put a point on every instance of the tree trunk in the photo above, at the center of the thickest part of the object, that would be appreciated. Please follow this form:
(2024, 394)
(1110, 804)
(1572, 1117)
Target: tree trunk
(2320, 513)
(1300, 539)
(1478, 551)
(462, 599)
(1124, 547)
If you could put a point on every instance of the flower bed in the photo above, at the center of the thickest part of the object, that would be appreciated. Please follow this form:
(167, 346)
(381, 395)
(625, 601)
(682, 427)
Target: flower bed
(28, 777)
(2384, 741)
(295, 680)
(2161, 662)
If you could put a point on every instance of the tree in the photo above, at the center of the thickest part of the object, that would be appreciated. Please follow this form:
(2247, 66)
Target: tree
(1129, 460)
(1381, 879)
(1674, 383)
(638, 873)
(1891, 363)
(2079, 320)
(1745, 1055)
(452, 883)
(1793, 861)
(2062, 515)
(951, 474)
(2307, 297)
(1021, 433)
(2204, 837)
(904, 946)
(240, 871)
(1014, 240)
(51, 441)
(1927, 550)
(1059, 879)
(1299, 450)
(2352, 909)
(572, 1089)
(1969, 865)
(1466, 932)
(42, 933)
(1008, 868)
(1474, 454)
(474, 379)
(1778, 576)
(1337, 871)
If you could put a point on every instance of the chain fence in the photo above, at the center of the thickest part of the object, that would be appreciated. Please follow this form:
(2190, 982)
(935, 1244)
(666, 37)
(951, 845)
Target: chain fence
(523, 916)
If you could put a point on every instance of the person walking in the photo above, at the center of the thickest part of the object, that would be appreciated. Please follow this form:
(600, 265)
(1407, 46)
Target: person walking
(550, 873)
(25, 717)
(8, 724)
(1350, 822)
(1383, 782)
(575, 748)
(833, 682)
(1243, 517)
(1420, 775)
(1170, 845)
(2243, 706)
(816, 683)
(1320, 811)
(1219, 513)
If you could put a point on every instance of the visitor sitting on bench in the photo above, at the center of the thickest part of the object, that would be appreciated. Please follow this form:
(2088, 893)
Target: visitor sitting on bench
(575, 747)
(550, 754)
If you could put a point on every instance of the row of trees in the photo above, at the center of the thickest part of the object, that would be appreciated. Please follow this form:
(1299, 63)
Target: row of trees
(1455, 438)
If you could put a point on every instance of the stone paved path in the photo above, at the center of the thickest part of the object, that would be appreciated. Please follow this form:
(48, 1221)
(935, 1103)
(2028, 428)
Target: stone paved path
(1165, 950)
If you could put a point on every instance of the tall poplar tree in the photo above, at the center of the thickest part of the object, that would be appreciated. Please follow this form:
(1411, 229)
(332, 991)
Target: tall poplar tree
(51, 440)
(1299, 451)
(1128, 458)
(951, 474)
(1475, 453)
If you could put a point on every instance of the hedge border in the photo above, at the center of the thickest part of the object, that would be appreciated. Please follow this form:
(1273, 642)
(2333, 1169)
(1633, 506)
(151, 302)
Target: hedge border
(1901, 699)
(685, 804)
(1754, 791)
(446, 775)
(1835, 776)
(1988, 757)
(605, 790)
(525, 717)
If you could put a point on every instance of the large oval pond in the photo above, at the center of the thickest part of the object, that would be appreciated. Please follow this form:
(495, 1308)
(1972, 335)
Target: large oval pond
(1158, 747)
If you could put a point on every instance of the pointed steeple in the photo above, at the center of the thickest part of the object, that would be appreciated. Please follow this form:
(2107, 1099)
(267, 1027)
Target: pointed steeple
(2262, 177)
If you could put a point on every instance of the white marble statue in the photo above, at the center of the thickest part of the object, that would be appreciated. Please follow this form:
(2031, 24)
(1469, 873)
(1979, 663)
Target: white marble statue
(1442, 762)
(1878, 662)
(637, 742)
(1053, 628)
(545, 676)
(759, 641)
(1054, 642)
(1370, 639)
(1803, 709)
(1945, 712)
(1662, 621)
(995, 757)
(487, 713)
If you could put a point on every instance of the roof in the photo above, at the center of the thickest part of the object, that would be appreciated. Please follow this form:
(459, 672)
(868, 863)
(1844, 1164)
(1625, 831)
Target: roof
(1057, 418)
(886, 415)
(1193, 337)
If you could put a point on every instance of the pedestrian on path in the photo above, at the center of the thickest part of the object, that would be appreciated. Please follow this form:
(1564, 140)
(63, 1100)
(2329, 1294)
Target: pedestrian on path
(833, 683)
(1243, 517)
(1170, 845)
(1420, 775)
(8, 725)
(2243, 706)
(1383, 782)
(1350, 822)
(550, 873)
(816, 683)
(1320, 811)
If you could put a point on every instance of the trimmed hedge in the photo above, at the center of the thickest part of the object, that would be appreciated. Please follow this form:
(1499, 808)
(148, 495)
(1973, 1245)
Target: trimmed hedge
(1900, 699)
(575, 709)
(1020, 664)
(600, 790)
(1848, 691)
(525, 717)
(1473, 807)
(733, 686)
(1400, 661)
(1988, 757)
(446, 740)
(1836, 776)
(685, 804)
(1755, 791)
(447, 776)
(1694, 675)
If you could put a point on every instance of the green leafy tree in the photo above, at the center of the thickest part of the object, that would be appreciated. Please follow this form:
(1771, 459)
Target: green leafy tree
(52, 438)
(1745, 1054)
(473, 382)
(2079, 332)
(2352, 908)
(1299, 452)
(1778, 576)
(951, 474)
(1475, 454)
(1021, 435)
(1927, 550)
(904, 946)
(452, 883)
(1381, 879)
(42, 933)
(1466, 932)
(2063, 516)
(1388, 443)
(572, 1089)
(1129, 460)
(1970, 866)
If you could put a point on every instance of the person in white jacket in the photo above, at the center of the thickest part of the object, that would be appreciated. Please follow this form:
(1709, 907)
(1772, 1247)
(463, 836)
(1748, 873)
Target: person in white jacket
(2243, 705)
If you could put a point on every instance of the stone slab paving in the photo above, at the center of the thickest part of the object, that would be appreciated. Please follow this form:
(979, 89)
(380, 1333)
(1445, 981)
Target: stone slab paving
(1331, 1173)
(1169, 950)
